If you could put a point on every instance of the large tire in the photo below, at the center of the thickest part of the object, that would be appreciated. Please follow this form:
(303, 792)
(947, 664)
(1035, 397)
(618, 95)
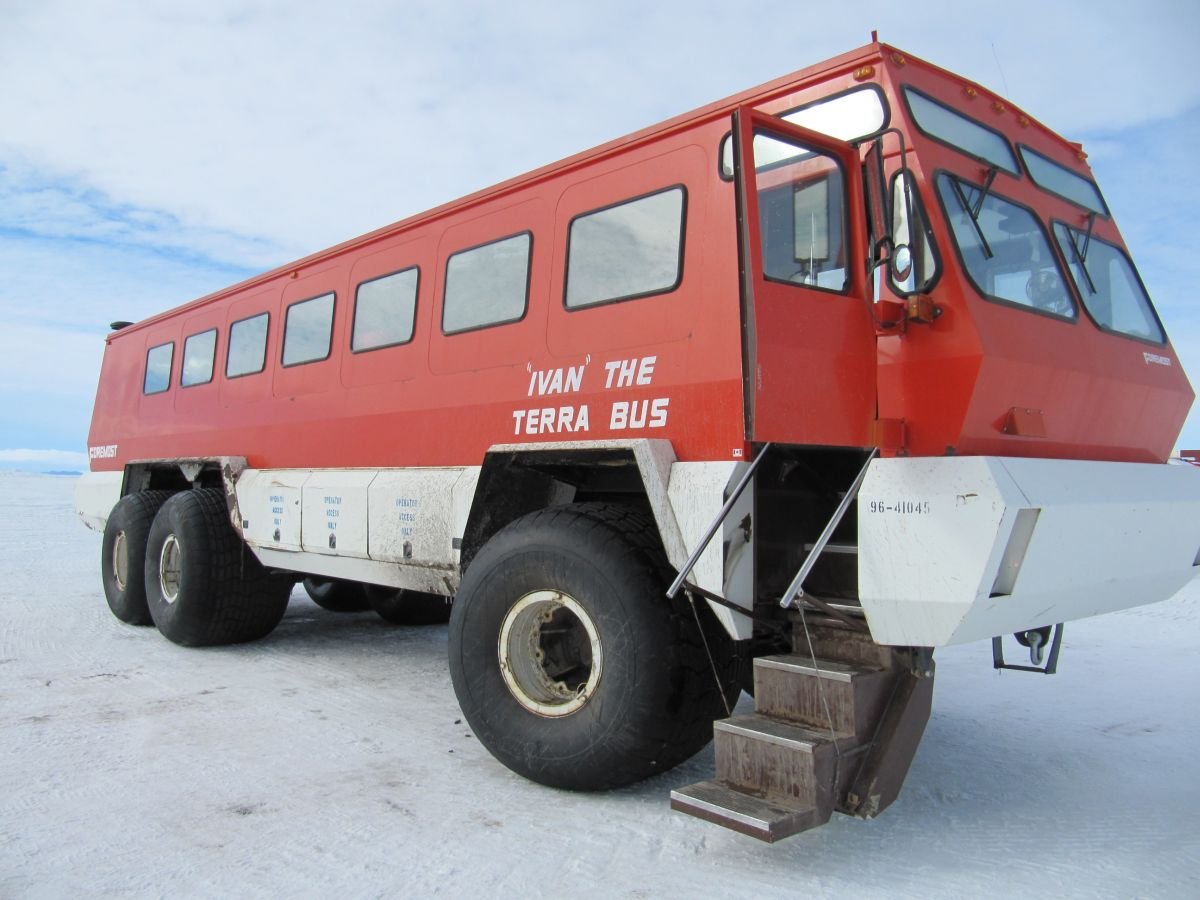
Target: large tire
(336, 595)
(619, 688)
(203, 585)
(403, 607)
(123, 555)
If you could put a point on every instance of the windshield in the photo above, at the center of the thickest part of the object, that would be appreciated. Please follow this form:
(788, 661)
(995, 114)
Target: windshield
(1004, 248)
(1056, 179)
(965, 134)
(1110, 288)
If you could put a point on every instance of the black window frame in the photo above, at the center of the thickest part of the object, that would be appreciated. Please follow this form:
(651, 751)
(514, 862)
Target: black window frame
(1136, 274)
(1065, 277)
(329, 344)
(1106, 213)
(528, 283)
(212, 368)
(229, 345)
(1015, 172)
(843, 291)
(679, 264)
(416, 304)
(170, 367)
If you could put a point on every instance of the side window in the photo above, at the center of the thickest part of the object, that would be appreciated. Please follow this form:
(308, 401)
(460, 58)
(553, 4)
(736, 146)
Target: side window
(633, 249)
(247, 346)
(487, 285)
(307, 330)
(384, 311)
(158, 368)
(801, 207)
(199, 351)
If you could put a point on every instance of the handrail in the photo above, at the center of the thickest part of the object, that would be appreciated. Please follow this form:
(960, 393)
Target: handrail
(712, 529)
(796, 588)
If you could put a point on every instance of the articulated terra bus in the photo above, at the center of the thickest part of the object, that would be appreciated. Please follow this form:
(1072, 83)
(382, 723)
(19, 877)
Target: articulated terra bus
(778, 396)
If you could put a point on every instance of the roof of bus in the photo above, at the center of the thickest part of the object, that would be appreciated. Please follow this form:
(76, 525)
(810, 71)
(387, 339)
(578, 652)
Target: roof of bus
(762, 94)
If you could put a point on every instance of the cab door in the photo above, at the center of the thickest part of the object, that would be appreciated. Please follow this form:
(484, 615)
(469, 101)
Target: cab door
(809, 335)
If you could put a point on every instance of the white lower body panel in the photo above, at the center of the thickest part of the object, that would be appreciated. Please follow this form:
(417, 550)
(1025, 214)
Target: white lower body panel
(96, 493)
(957, 549)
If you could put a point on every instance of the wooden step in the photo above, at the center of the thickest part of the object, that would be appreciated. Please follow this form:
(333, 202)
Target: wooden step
(757, 817)
(780, 761)
(822, 693)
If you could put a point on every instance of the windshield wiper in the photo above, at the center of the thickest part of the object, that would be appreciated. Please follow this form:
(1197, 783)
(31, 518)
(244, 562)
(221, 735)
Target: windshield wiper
(974, 210)
(1081, 255)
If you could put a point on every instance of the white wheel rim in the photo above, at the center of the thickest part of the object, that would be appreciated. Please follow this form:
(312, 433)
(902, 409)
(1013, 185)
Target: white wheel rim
(120, 561)
(550, 654)
(169, 569)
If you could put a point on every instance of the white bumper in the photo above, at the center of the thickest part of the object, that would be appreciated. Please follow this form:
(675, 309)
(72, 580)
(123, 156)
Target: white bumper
(961, 548)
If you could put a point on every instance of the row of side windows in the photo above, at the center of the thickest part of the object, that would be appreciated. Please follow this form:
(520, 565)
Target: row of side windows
(620, 252)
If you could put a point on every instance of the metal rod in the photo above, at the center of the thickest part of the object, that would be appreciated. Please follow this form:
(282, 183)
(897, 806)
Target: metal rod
(712, 529)
(796, 588)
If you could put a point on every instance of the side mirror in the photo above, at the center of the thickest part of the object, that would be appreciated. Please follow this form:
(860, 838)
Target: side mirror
(913, 265)
(901, 263)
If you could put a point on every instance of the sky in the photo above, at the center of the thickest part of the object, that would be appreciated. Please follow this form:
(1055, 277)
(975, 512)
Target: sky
(153, 152)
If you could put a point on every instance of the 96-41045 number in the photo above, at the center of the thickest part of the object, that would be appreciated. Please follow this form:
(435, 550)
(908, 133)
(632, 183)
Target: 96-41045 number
(900, 507)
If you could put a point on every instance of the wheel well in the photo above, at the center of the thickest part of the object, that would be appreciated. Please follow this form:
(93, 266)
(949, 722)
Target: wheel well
(180, 474)
(514, 483)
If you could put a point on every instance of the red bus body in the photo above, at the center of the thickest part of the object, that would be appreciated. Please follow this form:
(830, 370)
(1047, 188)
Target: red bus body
(866, 396)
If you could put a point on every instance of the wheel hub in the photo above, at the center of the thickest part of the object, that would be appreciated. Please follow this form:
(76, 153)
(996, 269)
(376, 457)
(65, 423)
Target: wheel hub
(169, 569)
(120, 561)
(550, 653)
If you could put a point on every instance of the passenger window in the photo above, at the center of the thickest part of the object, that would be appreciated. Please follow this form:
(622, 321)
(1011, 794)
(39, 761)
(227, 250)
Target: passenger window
(487, 285)
(307, 330)
(158, 368)
(247, 346)
(199, 351)
(384, 311)
(801, 204)
(633, 249)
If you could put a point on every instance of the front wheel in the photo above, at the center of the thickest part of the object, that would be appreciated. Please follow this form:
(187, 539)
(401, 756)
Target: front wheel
(569, 662)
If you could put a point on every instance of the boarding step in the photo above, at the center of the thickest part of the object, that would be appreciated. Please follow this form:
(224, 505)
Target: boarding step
(782, 761)
(827, 734)
(823, 694)
(757, 817)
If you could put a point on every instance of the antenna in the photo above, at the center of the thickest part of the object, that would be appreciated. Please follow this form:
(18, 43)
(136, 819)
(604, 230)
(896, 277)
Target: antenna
(1003, 80)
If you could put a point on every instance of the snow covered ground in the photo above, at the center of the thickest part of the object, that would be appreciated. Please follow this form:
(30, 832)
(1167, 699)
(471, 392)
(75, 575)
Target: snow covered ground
(330, 759)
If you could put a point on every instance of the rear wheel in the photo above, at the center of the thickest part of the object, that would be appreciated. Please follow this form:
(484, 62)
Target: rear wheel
(123, 555)
(336, 595)
(203, 584)
(404, 607)
(568, 660)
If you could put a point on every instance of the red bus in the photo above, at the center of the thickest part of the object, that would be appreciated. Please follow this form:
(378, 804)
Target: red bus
(778, 395)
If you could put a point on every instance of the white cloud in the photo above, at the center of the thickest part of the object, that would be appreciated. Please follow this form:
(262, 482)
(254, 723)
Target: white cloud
(41, 458)
(309, 125)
